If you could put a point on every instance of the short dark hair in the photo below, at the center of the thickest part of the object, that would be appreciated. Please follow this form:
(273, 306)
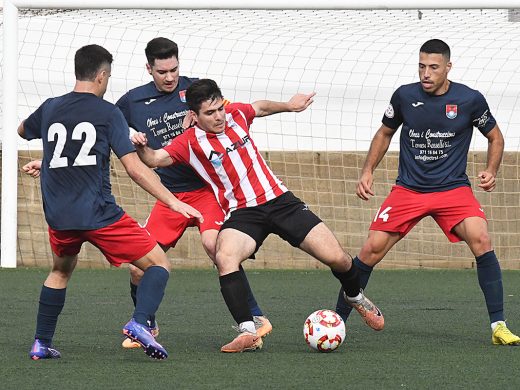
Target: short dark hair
(201, 91)
(89, 60)
(436, 46)
(160, 49)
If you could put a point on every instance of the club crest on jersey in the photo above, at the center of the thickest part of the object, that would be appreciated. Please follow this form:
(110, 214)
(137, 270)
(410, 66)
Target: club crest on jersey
(451, 111)
(182, 95)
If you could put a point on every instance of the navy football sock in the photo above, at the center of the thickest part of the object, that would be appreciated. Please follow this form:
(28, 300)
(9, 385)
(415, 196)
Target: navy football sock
(51, 304)
(150, 294)
(251, 301)
(133, 295)
(490, 281)
(234, 291)
(364, 271)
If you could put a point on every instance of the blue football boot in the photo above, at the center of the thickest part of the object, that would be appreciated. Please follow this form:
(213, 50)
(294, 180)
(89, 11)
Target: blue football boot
(41, 351)
(142, 334)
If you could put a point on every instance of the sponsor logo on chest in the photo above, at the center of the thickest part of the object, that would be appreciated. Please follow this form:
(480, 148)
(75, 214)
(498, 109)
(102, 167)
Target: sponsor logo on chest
(216, 157)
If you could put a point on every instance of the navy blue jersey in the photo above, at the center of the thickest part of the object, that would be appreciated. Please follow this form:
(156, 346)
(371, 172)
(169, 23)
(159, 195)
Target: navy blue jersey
(159, 115)
(78, 131)
(436, 134)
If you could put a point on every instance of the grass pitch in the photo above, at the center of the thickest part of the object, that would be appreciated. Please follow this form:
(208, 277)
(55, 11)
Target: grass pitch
(437, 334)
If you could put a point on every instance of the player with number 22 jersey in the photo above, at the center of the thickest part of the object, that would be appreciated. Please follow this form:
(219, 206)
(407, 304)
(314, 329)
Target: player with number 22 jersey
(95, 127)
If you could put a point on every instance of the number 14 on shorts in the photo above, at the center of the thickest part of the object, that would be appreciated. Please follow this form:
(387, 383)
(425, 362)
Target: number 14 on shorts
(383, 214)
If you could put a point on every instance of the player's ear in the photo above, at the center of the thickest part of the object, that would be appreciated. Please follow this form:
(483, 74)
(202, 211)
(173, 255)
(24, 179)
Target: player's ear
(194, 116)
(99, 76)
(148, 68)
(448, 66)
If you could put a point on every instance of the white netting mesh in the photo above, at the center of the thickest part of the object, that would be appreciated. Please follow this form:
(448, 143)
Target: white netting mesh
(353, 60)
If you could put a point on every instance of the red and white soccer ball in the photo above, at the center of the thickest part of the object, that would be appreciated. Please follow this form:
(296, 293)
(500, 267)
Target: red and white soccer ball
(324, 330)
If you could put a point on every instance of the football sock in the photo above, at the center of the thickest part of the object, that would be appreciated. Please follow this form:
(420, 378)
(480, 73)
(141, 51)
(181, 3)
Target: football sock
(349, 280)
(490, 281)
(150, 294)
(51, 304)
(358, 298)
(251, 301)
(364, 271)
(133, 292)
(234, 292)
(248, 326)
(133, 295)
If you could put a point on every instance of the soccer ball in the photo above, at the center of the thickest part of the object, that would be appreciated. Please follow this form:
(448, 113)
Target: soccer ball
(324, 330)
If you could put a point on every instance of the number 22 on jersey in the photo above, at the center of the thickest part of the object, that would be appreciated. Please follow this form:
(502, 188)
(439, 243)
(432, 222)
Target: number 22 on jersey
(57, 130)
(383, 214)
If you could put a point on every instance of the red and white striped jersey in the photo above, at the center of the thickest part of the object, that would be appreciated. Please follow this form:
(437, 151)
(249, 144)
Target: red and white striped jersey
(229, 162)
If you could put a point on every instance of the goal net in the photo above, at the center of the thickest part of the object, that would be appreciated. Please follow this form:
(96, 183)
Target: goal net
(353, 59)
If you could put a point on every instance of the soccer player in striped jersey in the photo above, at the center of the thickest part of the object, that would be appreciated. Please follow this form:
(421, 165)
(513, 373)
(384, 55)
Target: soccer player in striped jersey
(78, 131)
(159, 109)
(220, 148)
(437, 117)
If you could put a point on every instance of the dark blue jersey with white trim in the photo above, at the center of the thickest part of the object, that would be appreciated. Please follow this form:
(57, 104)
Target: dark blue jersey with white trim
(159, 115)
(78, 131)
(436, 134)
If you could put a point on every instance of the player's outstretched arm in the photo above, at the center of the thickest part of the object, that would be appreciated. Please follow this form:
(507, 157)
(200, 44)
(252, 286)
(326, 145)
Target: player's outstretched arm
(297, 103)
(33, 168)
(378, 148)
(150, 182)
(494, 157)
(152, 158)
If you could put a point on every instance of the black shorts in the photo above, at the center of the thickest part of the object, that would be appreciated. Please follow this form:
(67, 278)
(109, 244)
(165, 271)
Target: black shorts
(286, 216)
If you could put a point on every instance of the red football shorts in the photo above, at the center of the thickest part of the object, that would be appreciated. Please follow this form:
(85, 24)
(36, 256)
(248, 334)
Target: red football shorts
(123, 241)
(167, 226)
(404, 208)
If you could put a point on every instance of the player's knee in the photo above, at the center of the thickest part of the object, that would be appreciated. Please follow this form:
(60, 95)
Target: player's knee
(135, 274)
(342, 264)
(372, 252)
(222, 258)
(209, 242)
(210, 246)
(165, 263)
(226, 262)
(484, 238)
(481, 242)
(63, 270)
(338, 260)
(62, 273)
(157, 257)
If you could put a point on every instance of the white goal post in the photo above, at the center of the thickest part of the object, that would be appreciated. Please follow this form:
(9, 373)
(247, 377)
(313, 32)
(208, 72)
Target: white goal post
(10, 119)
